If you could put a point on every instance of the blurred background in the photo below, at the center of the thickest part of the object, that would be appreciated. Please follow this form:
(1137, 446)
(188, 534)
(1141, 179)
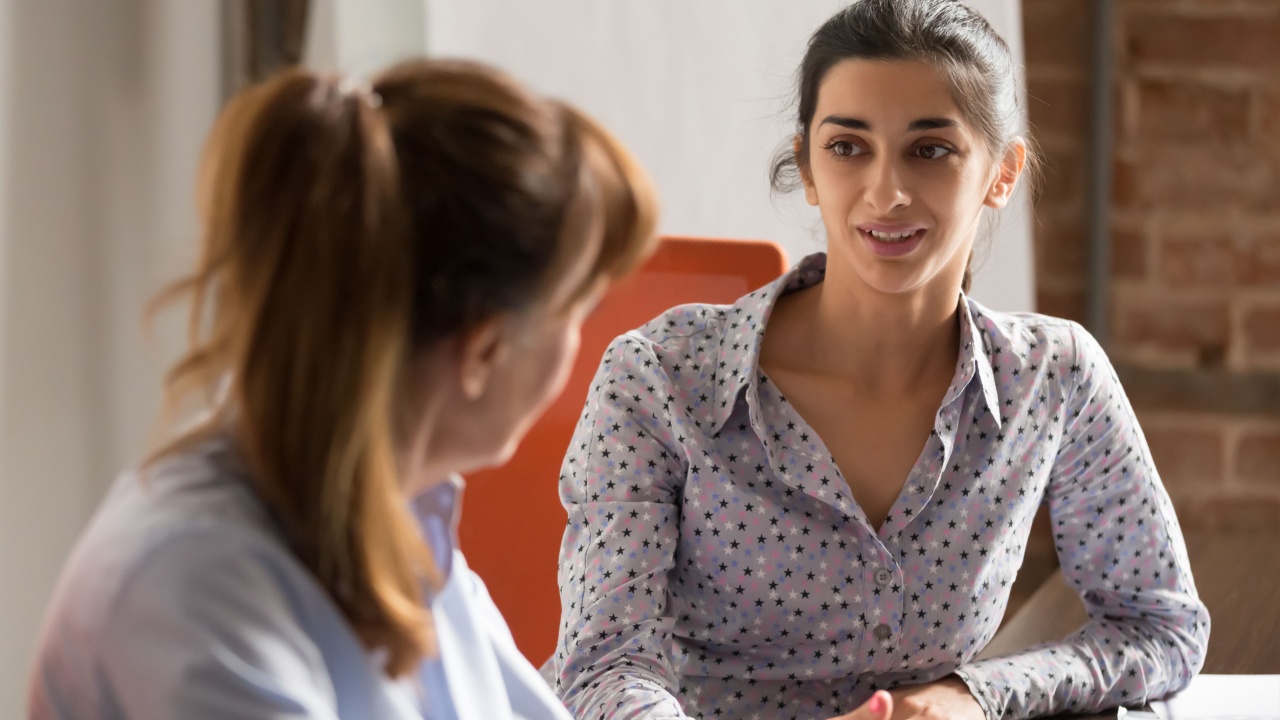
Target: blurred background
(1158, 225)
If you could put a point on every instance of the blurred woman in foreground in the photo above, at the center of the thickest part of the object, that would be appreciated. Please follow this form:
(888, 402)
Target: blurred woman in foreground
(390, 290)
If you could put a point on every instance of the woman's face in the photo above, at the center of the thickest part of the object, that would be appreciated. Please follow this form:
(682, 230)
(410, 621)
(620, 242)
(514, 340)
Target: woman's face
(543, 346)
(899, 175)
(498, 379)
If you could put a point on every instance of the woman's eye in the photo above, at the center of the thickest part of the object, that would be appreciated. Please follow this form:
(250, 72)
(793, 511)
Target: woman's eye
(933, 152)
(843, 148)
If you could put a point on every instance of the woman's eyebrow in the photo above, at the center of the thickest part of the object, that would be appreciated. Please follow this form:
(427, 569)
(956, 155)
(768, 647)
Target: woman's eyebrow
(933, 123)
(853, 123)
(844, 121)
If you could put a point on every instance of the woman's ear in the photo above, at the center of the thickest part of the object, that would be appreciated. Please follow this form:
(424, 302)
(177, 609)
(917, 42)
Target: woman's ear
(1006, 175)
(480, 351)
(802, 165)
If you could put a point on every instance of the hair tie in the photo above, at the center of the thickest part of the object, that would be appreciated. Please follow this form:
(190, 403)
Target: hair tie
(360, 89)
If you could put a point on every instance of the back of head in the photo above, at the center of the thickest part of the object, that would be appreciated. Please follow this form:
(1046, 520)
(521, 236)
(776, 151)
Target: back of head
(347, 229)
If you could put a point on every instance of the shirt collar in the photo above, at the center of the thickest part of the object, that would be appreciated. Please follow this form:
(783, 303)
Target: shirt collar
(438, 510)
(744, 329)
(973, 360)
(746, 320)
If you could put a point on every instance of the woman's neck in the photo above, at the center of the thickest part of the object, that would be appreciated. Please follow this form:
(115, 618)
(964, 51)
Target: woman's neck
(884, 344)
(420, 411)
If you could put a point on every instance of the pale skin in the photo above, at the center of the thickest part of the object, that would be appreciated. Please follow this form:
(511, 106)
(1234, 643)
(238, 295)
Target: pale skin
(472, 397)
(867, 355)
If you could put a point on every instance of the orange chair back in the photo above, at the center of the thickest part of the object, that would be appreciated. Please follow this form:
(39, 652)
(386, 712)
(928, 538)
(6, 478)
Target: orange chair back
(512, 521)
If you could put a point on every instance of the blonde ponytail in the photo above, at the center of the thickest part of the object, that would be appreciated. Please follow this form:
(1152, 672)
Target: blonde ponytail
(346, 231)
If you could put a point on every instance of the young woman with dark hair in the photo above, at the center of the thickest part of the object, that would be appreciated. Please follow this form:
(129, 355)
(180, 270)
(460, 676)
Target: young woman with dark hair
(784, 507)
(390, 290)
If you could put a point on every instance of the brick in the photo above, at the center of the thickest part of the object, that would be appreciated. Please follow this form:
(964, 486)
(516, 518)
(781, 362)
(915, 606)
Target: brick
(1128, 254)
(1058, 107)
(1269, 113)
(1191, 111)
(1262, 329)
(1234, 41)
(1218, 513)
(1063, 182)
(1258, 458)
(1221, 393)
(1187, 456)
(1258, 263)
(1125, 179)
(1197, 176)
(1211, 259)
(1197, 260)
(1057, 33)
(1169, 324)
(1199, 147)
(1066, 303)
(1062, 250)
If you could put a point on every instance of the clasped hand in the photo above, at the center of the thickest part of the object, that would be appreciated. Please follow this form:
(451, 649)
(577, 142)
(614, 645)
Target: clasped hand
(946, 699)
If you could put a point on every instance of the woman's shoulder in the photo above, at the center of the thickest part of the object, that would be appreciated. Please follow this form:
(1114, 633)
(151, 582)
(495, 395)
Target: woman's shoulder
(698, 321)
(185, 525)
(1034, 338)
(682, 324)
(683, 336)
(692, 334)
(181, 575)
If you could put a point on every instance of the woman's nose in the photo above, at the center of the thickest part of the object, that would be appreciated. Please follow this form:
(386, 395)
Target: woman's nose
(886, 190)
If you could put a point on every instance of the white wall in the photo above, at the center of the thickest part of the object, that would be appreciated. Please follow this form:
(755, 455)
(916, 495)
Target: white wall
(701, 91)
(363, 36)
(103, 106)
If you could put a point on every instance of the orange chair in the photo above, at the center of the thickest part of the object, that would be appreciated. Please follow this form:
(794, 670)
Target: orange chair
(512, 521)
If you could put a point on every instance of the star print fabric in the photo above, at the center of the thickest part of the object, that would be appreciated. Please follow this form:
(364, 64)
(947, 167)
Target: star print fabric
(716, 565)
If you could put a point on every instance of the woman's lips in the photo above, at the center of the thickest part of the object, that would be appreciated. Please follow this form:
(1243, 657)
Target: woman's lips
(887, 247)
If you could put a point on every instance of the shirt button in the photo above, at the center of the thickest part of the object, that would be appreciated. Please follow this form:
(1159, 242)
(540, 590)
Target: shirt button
(883, 632)
(883, 577)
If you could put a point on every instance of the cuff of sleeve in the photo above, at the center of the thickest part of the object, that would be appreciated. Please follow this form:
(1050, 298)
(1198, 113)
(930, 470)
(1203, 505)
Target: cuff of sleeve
(981, 691)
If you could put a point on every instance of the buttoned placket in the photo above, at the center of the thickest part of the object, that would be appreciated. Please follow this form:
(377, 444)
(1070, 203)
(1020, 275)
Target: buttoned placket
(881, 576)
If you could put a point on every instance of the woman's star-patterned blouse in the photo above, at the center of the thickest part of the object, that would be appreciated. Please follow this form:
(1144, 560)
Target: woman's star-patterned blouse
(716, 565)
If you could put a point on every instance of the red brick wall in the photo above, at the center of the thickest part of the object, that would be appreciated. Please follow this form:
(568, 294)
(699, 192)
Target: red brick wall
(1195, 286)
(1195, 219)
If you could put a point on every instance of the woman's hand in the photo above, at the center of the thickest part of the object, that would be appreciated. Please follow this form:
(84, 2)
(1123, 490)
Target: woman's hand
(879, 707)
(946, 699)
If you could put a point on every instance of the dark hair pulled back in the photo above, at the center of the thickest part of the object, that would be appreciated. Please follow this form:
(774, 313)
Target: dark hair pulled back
(950, 35)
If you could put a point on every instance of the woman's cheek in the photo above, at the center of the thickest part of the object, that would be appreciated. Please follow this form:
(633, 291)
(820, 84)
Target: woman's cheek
(568, 353)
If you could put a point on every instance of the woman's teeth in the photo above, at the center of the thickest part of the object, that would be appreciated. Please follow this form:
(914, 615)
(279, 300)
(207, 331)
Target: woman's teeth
(891, 237)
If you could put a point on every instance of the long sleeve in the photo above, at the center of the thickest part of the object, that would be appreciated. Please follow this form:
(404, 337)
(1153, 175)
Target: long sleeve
(621, 484)
(205, 629)
(1121, 548)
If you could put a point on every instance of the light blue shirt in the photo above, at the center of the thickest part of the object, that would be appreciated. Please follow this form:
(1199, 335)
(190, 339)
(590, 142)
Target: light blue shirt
(182, 600)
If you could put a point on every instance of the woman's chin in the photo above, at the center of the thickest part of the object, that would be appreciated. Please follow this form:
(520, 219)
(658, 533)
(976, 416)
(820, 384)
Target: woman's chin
(503, 454)
(892, 281)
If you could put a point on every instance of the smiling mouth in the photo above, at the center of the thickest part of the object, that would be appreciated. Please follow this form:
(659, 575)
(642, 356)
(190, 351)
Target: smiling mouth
(892, 237)
(892, 242)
